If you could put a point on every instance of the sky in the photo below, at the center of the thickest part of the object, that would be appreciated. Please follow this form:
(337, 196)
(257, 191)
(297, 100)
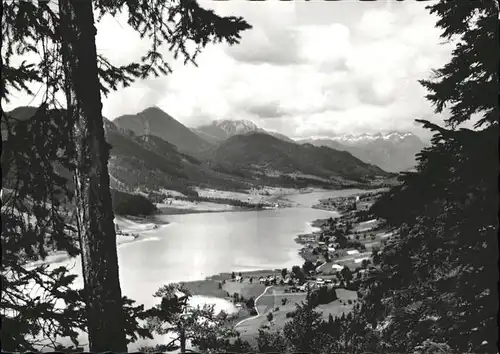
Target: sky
(305, 69)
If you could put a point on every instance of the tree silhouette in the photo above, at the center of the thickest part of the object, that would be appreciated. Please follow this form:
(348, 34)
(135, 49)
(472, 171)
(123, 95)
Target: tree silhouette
(200, 325)
(307, 332)
(439, 272)
(64, 38)
(284, 272)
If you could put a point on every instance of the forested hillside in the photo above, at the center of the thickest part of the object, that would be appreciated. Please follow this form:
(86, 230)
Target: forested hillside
(263, 152)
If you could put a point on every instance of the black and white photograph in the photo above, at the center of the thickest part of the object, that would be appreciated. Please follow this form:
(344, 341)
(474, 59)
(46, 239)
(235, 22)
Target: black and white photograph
(209, 176)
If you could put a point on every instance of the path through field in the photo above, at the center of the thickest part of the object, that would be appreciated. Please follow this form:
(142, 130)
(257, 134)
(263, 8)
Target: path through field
(256, 307)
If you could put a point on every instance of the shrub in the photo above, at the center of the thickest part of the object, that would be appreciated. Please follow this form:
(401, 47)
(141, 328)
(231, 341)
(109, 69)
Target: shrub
(270, 316)
(253, 312)
(284, 301)
(131, 204)
(250, 303)
(290, 314)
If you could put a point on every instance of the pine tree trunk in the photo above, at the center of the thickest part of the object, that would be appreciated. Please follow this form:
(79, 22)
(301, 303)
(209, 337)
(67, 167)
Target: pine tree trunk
(105, 317)
(182, 339)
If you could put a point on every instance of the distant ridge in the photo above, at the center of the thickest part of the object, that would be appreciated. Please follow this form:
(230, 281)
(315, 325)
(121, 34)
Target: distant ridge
(220, 130)
(140, 160)
(393, 151)
(154, 121)
(263, 152)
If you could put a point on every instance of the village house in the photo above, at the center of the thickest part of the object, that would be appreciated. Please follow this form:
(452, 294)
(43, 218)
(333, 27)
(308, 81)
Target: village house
(336, 267)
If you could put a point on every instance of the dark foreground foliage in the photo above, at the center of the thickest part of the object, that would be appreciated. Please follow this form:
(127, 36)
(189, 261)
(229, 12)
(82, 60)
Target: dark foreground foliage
(131, 204)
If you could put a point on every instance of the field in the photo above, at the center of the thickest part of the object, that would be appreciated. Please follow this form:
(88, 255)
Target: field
(271, 302)
(272, 299)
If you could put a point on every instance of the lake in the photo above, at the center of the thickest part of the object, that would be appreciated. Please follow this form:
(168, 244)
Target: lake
(194, 246)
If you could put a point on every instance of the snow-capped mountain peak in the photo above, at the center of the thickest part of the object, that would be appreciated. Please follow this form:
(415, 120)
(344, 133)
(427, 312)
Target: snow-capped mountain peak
(392, 151)
(350, 139)
(236, 126)
(220, 130)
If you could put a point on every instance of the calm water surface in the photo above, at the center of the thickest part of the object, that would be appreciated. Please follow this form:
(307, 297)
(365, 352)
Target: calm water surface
(194, 246)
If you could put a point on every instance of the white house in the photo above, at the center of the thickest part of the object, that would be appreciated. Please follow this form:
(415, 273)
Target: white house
(262, 280)
(331, 249)
(337, 267)
(351, 252)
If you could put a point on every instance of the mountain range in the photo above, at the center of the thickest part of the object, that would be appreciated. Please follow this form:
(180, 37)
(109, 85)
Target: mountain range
(220, 130)
(267, 154)
(151, 150)
(393, 151)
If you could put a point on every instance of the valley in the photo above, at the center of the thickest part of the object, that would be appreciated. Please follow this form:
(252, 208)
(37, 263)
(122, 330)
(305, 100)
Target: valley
(188, 208)
(150, 151)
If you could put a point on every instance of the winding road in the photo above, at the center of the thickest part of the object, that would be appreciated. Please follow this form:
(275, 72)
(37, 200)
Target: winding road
(256, 308)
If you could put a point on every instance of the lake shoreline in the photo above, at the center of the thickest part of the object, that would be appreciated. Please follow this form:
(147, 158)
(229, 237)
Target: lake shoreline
(206, 287)
(239, 289)
(131, 229)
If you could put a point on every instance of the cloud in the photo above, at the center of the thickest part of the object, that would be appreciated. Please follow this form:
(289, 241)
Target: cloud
(277, 47)
(266, 110)
(272, 39)
(324, 43)
(315, 68)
